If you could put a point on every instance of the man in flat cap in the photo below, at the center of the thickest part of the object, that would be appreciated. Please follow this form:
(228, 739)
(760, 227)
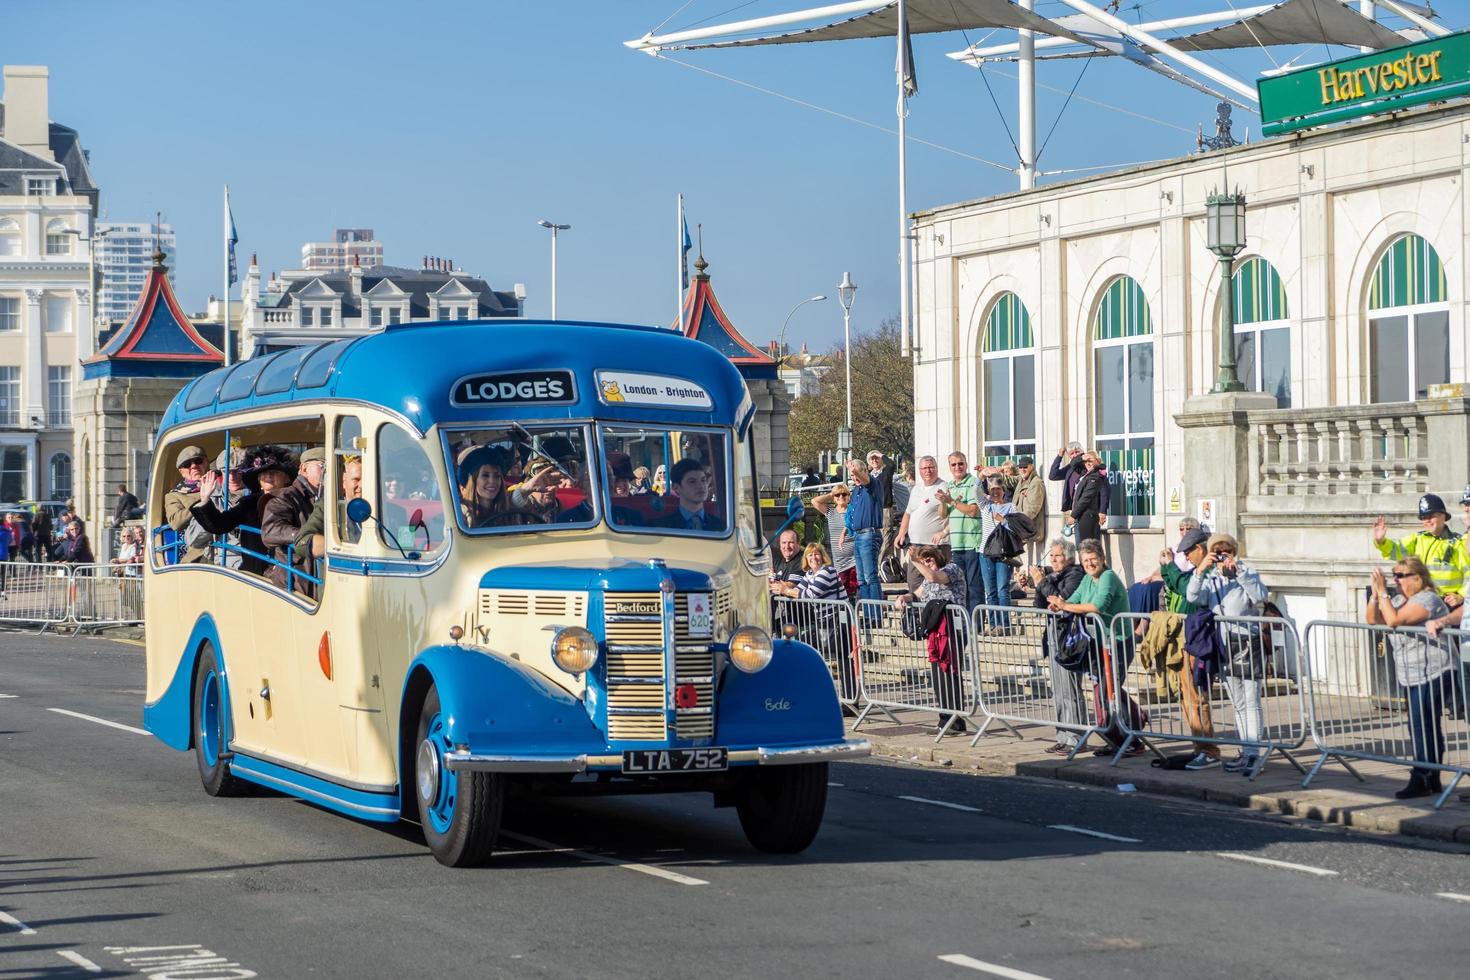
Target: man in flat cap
(285, 513)
(194, 541)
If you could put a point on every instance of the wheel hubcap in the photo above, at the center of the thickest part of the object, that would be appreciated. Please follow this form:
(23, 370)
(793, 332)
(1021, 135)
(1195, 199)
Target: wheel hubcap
(428, 770)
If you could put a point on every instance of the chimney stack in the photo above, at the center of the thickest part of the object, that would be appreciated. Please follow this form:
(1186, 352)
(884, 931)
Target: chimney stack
(27, 121)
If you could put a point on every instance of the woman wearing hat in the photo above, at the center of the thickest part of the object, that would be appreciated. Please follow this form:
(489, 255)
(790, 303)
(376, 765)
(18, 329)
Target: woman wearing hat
(483, 499)
(265, 472)
(1227, 586)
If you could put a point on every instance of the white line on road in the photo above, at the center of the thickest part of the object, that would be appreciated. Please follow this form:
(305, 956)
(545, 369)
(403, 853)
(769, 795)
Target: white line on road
(995, 969)
(1093, 833)
(79, 960)
(98, 721)
(1453, 896)
(1307, 868)
(11, 920)
(3, 696)
(947, 806)
(838, 785)
(646, 869)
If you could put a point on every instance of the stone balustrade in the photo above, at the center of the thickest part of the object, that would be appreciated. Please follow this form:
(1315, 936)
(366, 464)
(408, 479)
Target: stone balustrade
(1362, 450)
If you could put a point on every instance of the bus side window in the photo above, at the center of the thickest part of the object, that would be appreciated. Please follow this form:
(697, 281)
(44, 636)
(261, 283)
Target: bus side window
(409, 506)
(347, 478)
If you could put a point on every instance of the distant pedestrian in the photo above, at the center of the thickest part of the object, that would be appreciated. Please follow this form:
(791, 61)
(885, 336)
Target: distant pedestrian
(833, 506)
(1061, 578)
(1176, 568)
(41, 535)
(1029, 496)
(1101, 592)
(5, 539)
(124, 507)
(1228, 587)
(1420, 665)
(812, 478)
(1068, 468)
(945, 584)
(995, 573)
(863, 523)
(960, 497)
(923, 521)
(1089, 499)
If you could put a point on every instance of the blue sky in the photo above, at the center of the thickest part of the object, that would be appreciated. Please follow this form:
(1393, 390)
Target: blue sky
(451, 127)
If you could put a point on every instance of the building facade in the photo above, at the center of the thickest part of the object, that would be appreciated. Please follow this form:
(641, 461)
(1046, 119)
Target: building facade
(1088, 311)
(124, 258)
(349, 247)
(304, 307)
(47, 206)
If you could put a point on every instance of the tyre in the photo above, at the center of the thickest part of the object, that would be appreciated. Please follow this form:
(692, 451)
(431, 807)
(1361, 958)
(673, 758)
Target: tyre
(211, 723)
(781, 808)
(460, 811)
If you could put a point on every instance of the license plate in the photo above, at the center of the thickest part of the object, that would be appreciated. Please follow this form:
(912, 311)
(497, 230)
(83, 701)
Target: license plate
(700, 623)
(652, 761)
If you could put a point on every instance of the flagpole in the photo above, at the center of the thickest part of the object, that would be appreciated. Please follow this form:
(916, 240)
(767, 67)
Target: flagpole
(679, 266)
(225, 303)
(903, 209)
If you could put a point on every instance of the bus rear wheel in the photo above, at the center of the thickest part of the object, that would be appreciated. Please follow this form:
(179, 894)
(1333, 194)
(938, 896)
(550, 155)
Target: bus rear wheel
(460, 811)
(211, 714)
(781, 808)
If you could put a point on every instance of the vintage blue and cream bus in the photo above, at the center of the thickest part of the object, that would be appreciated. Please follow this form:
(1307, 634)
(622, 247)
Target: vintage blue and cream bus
(475, 555)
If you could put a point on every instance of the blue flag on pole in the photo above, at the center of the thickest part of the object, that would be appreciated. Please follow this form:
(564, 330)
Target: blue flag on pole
(234, 240)
(684, 253)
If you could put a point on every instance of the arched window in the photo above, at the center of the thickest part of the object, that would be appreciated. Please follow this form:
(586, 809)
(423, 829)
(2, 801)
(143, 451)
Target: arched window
(1262, 332)
(1408, 322)
(1008, 380)
(1123, 396)
(58, 238)
(60, 476)
(9, 237)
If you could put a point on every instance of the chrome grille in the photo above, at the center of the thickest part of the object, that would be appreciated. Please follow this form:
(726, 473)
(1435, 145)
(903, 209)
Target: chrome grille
(635, 666)
(637, 687)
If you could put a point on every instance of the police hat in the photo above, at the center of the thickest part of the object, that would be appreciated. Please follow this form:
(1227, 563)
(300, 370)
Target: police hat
(1430, 504)
(1465, 497)
(188, 455)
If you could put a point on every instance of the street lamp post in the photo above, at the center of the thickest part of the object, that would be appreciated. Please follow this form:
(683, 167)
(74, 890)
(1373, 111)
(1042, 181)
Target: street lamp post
(554, 229)
(1225, 234)
(781, 341)
(846, 292)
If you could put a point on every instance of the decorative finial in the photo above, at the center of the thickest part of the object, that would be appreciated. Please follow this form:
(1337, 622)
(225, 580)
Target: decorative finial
(700, 264)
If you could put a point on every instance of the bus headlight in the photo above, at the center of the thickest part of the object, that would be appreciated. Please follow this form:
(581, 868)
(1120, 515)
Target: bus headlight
(750, 648)
(574, 649)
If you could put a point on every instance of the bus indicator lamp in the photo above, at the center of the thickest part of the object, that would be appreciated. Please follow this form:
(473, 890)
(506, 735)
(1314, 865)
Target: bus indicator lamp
(750, 649)
(324, 655)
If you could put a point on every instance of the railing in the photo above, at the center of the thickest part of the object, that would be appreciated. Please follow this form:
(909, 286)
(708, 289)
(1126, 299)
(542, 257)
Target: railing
(1359, 450)
(79, 597)
(277, 316)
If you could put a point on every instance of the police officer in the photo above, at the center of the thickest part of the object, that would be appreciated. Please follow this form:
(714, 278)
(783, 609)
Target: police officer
(1436, 545)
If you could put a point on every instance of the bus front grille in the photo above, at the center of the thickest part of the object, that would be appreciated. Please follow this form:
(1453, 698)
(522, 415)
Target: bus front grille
(637, 688)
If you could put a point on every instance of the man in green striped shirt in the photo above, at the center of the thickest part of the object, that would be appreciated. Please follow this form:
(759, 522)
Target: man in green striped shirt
(962, 509)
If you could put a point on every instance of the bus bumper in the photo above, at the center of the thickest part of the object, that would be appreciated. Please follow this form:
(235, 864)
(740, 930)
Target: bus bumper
(783, 755)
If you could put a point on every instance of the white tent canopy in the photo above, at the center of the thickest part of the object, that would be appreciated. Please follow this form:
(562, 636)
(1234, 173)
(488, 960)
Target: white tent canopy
(1296, 22)
(924, 17)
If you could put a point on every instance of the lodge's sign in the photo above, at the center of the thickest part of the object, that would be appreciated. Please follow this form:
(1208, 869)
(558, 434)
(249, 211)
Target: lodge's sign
(1394, 78)
(555, 387)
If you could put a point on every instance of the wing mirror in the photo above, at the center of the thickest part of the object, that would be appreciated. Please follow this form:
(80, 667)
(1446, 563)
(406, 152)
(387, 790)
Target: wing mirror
(358, 510)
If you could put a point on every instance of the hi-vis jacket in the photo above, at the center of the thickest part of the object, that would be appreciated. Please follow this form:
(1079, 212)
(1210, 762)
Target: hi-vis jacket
(1444, 557)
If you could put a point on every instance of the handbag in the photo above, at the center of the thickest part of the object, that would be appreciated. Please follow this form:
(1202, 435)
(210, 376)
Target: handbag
(1074, 645)
(919, 621)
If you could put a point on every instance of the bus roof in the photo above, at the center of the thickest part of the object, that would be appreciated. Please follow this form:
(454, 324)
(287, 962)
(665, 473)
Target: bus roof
(487, 370)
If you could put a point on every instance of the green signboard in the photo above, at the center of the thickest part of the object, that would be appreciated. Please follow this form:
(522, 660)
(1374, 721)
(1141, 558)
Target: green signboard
(1384, 81)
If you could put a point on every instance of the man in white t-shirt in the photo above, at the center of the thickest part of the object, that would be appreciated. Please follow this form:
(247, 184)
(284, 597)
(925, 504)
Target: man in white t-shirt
(924, 521)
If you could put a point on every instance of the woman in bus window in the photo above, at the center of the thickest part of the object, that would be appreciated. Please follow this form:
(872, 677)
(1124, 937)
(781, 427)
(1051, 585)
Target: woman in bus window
(482, 495)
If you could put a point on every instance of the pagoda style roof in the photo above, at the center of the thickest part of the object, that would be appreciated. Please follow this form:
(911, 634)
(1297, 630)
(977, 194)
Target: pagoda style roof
(157, 340)
(703, 319)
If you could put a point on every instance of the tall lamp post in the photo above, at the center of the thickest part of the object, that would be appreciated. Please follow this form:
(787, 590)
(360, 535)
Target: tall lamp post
(554, 229)
(1225, 233)
(846, 291)
(781, 341)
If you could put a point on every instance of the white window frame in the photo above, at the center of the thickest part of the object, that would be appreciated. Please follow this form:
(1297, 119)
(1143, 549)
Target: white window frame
(11, 231)
(58, 410)
(13, 317)
(40, 185)
(10, 388)
(57, 493)
(52, 301)
(1413, 313)
(58, 238)
(1013, 446)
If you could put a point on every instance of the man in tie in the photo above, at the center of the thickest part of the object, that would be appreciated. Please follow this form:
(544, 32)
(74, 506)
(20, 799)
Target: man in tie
(689, 483)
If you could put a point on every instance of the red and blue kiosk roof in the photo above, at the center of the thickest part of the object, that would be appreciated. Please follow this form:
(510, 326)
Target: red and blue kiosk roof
(157, 340)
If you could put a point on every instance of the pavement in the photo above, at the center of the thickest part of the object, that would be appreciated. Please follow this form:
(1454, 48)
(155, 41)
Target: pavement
(1335, 796)
(114, 863)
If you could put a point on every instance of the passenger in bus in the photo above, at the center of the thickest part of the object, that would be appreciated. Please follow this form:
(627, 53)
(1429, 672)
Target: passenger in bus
(642, 481)
(621, 478)
(483, 499)
(177, 503)
(660, 482)
(690, 488)
(285, 512)
(264, 468)
(542, 497)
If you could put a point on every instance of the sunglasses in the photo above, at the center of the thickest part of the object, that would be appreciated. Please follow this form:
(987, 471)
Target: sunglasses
(842, 496)
(1403, 575)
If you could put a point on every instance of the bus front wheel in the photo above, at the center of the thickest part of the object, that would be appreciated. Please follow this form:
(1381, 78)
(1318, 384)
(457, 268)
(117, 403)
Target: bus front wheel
(211, 711)
(781, 808)
(460, 811)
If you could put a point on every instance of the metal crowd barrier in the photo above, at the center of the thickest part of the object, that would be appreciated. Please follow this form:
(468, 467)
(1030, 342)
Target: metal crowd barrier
(1249, 700)
(1395, 696)
(1018, 681)
(38, 595)
(828, 625)
(895, 671)
(76, 596)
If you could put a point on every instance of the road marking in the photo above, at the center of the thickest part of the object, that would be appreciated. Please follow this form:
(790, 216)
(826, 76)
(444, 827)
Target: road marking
(995, 969)
(1093, 833)
(947, 806)
(11, 920)
(98, 721)
(1306, 868)
(1452, 896)
(169, 962)
(79, 960)
(838, 785)
(2, 696)
(646, 869)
